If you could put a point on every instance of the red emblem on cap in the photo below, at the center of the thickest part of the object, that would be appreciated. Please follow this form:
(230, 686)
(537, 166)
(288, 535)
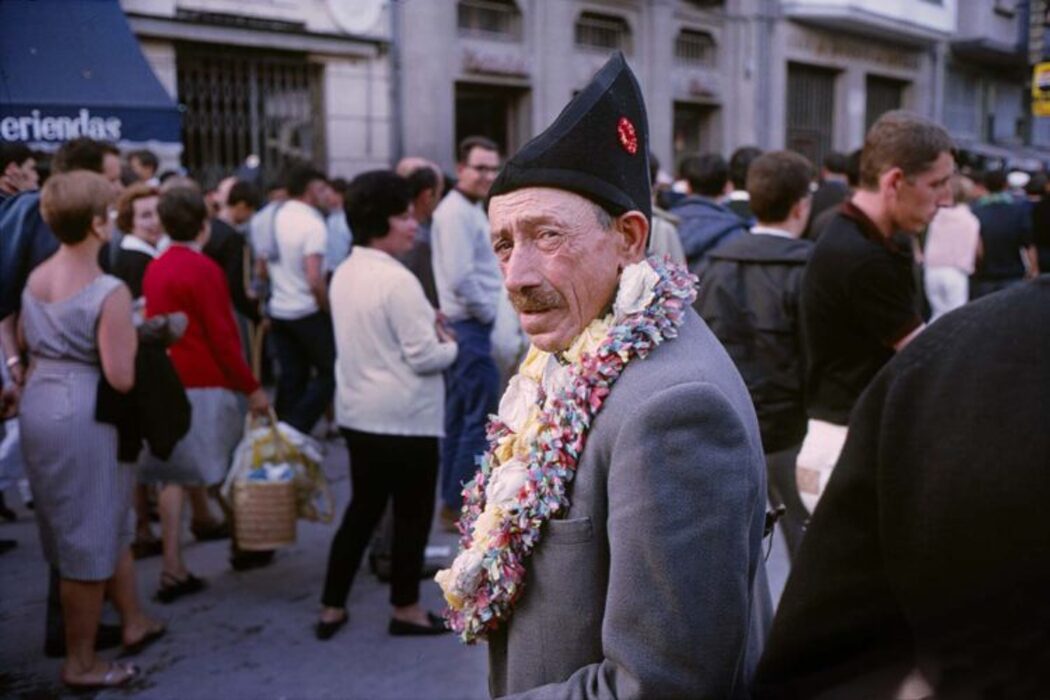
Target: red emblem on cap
(627, 135)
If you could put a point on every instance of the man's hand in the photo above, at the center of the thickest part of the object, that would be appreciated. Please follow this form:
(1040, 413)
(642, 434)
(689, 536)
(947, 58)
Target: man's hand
(444, 333)
(18, 373)
(259, 402)
(314, 265)
(9, 397)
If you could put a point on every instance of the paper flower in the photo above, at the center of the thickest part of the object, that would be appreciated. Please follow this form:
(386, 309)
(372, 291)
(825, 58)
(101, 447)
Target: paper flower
(556, 377)
(518, 401)
(637, 285)
(505, 483)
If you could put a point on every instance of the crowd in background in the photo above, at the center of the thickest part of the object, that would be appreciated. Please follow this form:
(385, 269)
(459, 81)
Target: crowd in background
(375, 307)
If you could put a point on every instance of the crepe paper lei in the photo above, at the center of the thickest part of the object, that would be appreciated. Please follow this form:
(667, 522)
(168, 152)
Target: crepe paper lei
(537, 438)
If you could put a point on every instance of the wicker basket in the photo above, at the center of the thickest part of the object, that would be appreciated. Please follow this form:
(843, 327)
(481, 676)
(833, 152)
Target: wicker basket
(264, 514)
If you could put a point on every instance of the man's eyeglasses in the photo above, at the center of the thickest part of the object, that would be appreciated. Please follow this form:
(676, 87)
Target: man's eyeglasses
(484, 169)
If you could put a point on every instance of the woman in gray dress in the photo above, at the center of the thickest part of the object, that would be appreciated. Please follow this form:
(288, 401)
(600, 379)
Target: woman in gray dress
(76, 324)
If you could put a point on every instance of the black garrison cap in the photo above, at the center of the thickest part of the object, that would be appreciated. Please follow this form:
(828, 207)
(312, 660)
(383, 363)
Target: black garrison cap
(598, 147)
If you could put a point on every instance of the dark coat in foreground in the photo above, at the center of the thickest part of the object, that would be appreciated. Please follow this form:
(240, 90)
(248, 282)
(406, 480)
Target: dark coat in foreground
(653, 584)
(930, 548)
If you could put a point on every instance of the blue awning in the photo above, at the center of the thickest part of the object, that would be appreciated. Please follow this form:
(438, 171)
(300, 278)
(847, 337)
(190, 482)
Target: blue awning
(72, 68)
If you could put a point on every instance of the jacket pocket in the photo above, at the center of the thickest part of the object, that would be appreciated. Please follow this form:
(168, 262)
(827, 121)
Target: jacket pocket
(572, 531)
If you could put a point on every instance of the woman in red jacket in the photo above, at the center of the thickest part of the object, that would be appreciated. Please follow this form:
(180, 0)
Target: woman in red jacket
(209, 362)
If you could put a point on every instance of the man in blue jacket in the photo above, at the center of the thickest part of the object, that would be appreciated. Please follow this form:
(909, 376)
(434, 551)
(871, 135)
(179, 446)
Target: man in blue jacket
(705, 224)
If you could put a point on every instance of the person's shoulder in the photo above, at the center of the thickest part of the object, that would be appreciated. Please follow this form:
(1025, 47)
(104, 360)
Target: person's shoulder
(127, 256)
(15, 210)
(663, 216)
(110, 283)
(842, 242)
(205, 266)
(965, 213)
(694, 356)
(221, 234)
(299, 215)
(1012, 322)
(450, 205)
(682, 379)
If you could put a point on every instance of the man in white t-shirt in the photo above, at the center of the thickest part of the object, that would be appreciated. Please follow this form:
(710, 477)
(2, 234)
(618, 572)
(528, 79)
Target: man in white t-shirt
(302, 326)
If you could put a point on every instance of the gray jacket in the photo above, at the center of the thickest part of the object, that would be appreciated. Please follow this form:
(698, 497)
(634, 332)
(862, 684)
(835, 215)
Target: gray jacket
(653, 584)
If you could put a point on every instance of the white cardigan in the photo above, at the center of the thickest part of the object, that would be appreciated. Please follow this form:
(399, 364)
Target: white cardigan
(388, 356)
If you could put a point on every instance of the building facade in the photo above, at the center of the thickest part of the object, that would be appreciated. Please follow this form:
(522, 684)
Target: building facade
(355, 85)
(284, 80)
(505, 68)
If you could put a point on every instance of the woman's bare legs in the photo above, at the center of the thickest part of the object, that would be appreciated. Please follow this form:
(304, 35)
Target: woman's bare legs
(143, 531)
(123, 591)
(169, 502)
(82, 611)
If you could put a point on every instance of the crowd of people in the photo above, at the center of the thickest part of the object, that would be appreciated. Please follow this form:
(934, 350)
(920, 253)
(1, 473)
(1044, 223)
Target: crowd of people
(134, 306)
(206, 282)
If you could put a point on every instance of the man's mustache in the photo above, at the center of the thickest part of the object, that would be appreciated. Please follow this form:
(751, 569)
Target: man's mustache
(535, 299)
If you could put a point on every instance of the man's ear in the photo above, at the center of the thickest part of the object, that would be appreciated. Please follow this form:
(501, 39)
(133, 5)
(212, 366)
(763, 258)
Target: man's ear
(633, 229)
(801, 209)
(890, 180)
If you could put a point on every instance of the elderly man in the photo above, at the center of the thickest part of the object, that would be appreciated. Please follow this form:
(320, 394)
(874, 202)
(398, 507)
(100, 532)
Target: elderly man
(612, 537)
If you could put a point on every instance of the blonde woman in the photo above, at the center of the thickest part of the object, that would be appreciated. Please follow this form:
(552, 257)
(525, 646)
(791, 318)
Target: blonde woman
(76, 326)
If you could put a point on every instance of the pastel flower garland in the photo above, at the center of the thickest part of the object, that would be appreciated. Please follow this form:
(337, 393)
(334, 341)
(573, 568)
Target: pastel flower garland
(537, 438)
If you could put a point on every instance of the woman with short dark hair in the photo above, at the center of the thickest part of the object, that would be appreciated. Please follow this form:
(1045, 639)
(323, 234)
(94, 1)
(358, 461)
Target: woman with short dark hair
(390, 401)
(76, 324)
(208, 360)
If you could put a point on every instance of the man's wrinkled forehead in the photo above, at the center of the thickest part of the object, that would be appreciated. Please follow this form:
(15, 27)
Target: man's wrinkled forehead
(533, 207)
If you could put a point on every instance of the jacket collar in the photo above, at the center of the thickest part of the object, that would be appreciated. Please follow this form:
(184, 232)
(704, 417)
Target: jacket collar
(130, 242)
(764, 249)
(895, 243)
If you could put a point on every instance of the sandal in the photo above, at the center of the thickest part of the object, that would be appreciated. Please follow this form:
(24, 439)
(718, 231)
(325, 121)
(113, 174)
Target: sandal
(143, 641)
(171, 588)
(116, 675)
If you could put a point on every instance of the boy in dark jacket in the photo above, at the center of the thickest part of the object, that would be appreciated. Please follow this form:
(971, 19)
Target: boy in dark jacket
(749, 292)
(704, 223)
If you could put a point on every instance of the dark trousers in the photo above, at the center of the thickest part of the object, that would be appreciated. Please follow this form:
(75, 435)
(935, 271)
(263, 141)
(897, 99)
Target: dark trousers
(383, 467)
(783, 491)
(305, 351)
(471, 394)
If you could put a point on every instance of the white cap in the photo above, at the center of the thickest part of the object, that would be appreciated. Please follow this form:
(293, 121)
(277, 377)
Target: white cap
(1018, 179)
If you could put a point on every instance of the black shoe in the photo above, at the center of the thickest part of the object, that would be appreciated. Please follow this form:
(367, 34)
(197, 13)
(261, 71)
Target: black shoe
(326, 630)
(400, 628)
(171, 588)
(108, 637)
(7, 545)
(245, 560)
